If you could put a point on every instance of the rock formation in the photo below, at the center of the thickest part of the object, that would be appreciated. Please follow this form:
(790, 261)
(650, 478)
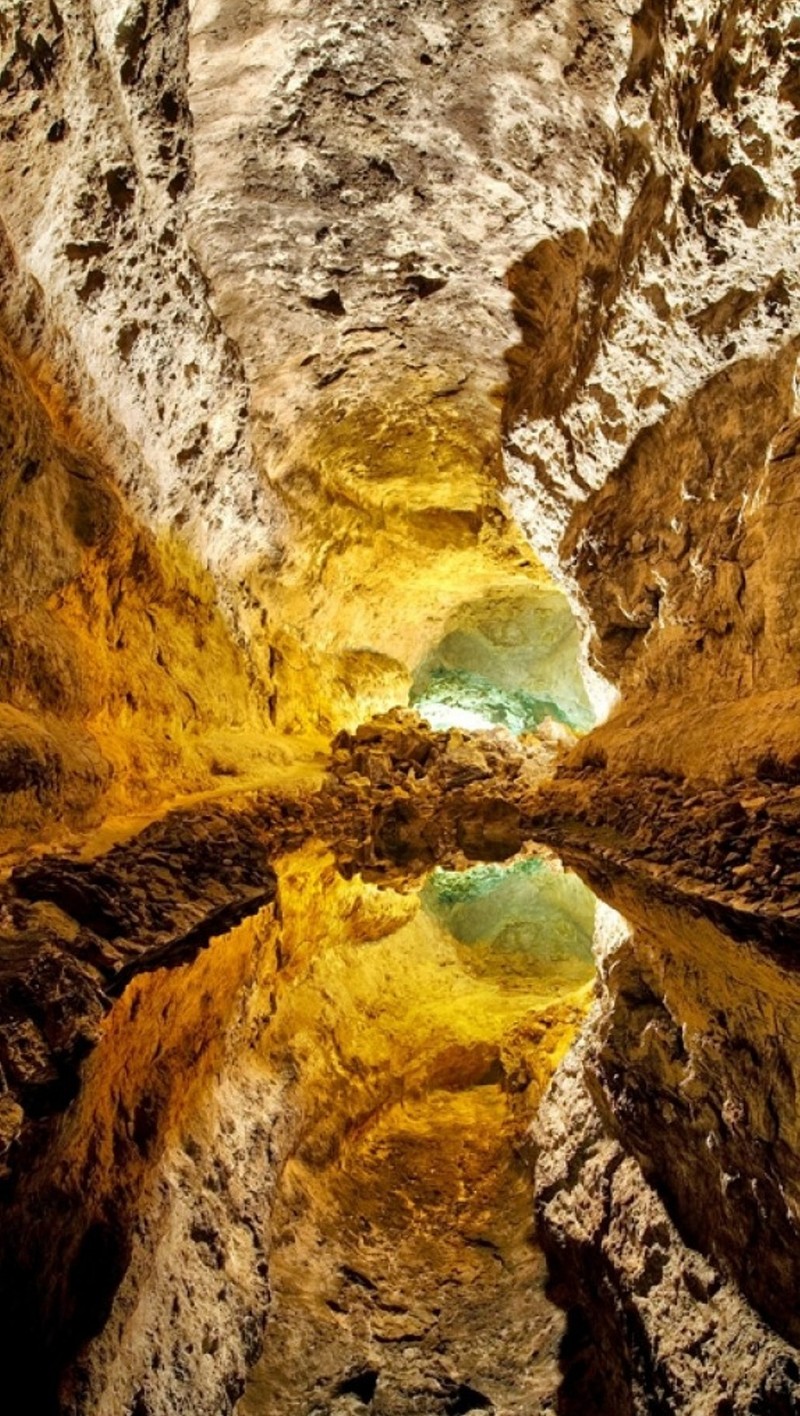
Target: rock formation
(357, 356)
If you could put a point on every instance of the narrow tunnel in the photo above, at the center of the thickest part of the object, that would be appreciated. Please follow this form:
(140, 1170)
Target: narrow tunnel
(399, 763)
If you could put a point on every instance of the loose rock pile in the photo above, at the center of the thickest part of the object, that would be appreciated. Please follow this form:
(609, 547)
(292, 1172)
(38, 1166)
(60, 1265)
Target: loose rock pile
(402, 797)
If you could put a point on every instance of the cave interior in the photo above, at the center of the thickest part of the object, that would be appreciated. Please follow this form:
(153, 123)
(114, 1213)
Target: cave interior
(399, 704)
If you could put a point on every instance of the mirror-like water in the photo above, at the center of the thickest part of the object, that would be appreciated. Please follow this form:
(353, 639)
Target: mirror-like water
(404, 1274)
(528, 921)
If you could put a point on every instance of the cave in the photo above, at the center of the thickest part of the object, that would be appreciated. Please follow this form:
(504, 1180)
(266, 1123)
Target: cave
(510, 660)
(399, 665)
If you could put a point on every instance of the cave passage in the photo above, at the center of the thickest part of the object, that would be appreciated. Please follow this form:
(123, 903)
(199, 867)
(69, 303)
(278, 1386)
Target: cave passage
(346, 350)
(404, 1272)
(314, 1053)
(507, 658)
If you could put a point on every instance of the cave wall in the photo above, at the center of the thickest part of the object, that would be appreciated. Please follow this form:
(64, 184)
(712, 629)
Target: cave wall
(651, 433)
(648, 421)
(94, 96)
(683, 268)
(129, 496)
(105, 630)
(336, 476)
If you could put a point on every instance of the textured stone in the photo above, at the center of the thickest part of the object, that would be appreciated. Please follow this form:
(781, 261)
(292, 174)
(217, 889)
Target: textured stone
(323, 331)
(666, 1332)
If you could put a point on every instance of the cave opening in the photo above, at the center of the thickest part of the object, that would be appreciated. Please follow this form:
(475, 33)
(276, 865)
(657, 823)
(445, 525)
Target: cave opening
(507, 658)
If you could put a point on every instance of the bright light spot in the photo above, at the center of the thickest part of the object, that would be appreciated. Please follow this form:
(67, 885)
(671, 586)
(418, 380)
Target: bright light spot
(442, 716)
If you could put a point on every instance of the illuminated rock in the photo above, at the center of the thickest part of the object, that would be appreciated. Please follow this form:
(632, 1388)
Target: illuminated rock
(511, 659)
(347, 352)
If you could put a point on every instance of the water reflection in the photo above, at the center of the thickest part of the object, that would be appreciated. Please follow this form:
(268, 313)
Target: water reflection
(529, 920)
(420, 1027)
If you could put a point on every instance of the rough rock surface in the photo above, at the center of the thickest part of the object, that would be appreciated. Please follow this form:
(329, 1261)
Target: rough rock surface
(122, 337)
(364, 181)
(643, 324)
(654, 1326)
(128, 493)
(272, 426)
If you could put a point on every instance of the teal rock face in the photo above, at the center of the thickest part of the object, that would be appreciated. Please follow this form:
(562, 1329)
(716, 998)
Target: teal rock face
(512, 660)
(525, 920)
(449, 696)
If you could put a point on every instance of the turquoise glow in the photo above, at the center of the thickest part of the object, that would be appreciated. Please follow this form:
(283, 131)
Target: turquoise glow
(527, 919)
(511, 659)
(443, 692)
